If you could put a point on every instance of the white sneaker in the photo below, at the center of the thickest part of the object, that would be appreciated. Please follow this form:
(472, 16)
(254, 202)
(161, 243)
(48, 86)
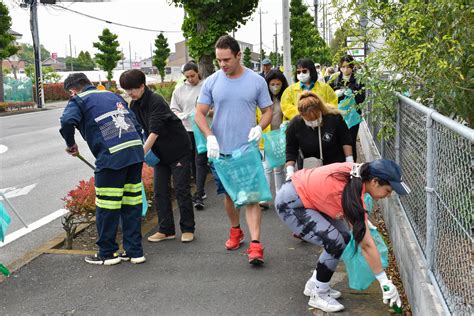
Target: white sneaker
(311, 285)
(325, 302)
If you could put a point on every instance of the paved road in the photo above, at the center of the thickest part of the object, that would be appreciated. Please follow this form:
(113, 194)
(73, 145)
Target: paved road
(198, 278)
(36, 159)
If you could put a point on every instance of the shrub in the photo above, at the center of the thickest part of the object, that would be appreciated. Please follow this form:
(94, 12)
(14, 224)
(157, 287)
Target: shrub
(80, 202)
(165, 89)
(9, 106)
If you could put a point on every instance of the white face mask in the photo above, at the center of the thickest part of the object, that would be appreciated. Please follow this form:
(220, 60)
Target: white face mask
(303, 77)
(314, 124)
(275, 89)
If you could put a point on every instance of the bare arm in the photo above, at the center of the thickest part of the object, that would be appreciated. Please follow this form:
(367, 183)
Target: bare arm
(200, 118)
(149, 142)
(370, 251)
(347, 150)
(266, 119)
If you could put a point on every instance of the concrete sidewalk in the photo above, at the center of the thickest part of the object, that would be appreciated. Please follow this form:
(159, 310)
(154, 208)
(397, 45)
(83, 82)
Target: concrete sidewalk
(198, 278)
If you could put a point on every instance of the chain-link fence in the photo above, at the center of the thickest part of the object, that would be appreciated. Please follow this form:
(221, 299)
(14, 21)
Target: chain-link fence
(437, 158)
(17, 90)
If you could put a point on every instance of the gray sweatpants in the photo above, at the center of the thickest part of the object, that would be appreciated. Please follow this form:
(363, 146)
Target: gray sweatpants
(314, 227)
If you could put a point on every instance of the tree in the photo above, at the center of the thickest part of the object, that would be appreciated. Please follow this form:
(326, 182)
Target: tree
(305, 40)
(428, 55)
(161, 54)
(26, 53)
(49, 74)
(338, 45)
(276, 58)
(248, 58)
(109, 54)
(7, 42)
(206, 21)
(263, 55)
(81, 63)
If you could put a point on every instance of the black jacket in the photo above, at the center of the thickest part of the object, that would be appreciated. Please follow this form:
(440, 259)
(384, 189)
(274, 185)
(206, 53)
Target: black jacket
(155, 116)
(357, 88)
(334, 134)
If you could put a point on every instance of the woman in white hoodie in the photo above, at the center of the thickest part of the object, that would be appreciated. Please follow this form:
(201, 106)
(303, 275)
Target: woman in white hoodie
(183, 103)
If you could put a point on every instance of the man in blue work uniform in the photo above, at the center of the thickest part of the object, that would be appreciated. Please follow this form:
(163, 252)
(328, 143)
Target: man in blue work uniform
(114, 138)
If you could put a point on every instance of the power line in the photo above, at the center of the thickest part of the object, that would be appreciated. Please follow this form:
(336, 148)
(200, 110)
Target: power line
(115, 23)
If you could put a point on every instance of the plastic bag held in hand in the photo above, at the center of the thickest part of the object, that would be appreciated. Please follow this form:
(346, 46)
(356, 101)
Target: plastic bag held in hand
(255, 134)
(212, 147)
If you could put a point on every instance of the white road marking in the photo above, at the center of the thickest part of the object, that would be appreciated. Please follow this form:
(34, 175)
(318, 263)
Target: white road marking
(3, 149)
(14, 192)
(41, 222)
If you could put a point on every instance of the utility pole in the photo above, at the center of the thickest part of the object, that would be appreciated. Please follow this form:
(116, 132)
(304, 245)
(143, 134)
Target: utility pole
(316, 3)
(130, 53)
(276, 43)
(123, 60)
(324, 21)
(261, 46)
(37, 51)
(286, 42)
(70, 52)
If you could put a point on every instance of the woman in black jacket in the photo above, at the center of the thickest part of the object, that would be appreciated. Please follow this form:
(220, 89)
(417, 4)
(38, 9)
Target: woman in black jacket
(343, 81)
(302, 134)
(168, 140)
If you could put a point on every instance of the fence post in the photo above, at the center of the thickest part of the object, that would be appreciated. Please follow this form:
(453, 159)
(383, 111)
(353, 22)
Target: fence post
(397, 133)
(430, 194)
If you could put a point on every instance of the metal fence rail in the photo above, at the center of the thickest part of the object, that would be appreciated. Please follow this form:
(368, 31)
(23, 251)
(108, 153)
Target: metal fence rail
(437, 158)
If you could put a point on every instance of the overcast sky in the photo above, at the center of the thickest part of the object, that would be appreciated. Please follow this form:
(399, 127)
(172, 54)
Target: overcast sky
(55, 24)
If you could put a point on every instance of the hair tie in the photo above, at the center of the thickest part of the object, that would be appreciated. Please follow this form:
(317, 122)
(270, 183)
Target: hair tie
(355, 172)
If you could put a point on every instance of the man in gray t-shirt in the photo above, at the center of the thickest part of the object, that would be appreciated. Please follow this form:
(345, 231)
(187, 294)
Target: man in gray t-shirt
(234, 92)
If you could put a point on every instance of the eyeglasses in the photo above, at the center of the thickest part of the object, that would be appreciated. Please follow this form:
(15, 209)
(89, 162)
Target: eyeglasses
(305, 71)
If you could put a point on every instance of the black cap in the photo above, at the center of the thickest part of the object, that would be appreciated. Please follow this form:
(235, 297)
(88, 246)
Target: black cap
(75, 79)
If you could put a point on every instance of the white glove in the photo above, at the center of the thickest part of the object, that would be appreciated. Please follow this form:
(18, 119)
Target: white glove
(349, 159)
(212, 147)
(255, 134)
(290, 170)
(339, 92)
(390, 293)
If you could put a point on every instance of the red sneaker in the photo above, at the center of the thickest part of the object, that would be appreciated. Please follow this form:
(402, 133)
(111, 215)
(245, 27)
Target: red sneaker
(236, 237)
(255, 253)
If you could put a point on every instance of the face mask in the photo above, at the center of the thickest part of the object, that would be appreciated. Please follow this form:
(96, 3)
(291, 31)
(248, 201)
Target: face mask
(303, 77)
(275, 89)
(314, 124)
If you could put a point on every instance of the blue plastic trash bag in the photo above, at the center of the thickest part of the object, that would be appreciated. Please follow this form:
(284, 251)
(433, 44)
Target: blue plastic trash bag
(151, 159)
(144, 202)
(369, 203)
(275, 147)
(5, 221)
(242, 176)
(348, 108)
(201, 141)
(358, 270)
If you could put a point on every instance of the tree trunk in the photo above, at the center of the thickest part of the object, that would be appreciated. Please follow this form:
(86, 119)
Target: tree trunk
(1, 81)
(206, 67)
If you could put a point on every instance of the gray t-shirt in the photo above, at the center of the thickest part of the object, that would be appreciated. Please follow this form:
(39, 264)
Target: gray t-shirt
(184, 101)
(235, 103)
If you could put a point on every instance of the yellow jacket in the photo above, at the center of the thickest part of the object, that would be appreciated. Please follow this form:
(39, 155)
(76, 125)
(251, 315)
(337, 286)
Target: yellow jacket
(289, 99)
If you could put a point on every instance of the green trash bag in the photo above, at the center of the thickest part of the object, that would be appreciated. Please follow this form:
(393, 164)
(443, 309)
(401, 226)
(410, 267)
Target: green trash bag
(199, 138)
(275, 147)
(242, 176)
(5, 221)
(358, 270)
(348, 108)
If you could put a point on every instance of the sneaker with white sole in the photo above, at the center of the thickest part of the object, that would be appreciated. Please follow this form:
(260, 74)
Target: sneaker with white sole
(124, 257)
(106, 261)
(324, 302)
(310, 286)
